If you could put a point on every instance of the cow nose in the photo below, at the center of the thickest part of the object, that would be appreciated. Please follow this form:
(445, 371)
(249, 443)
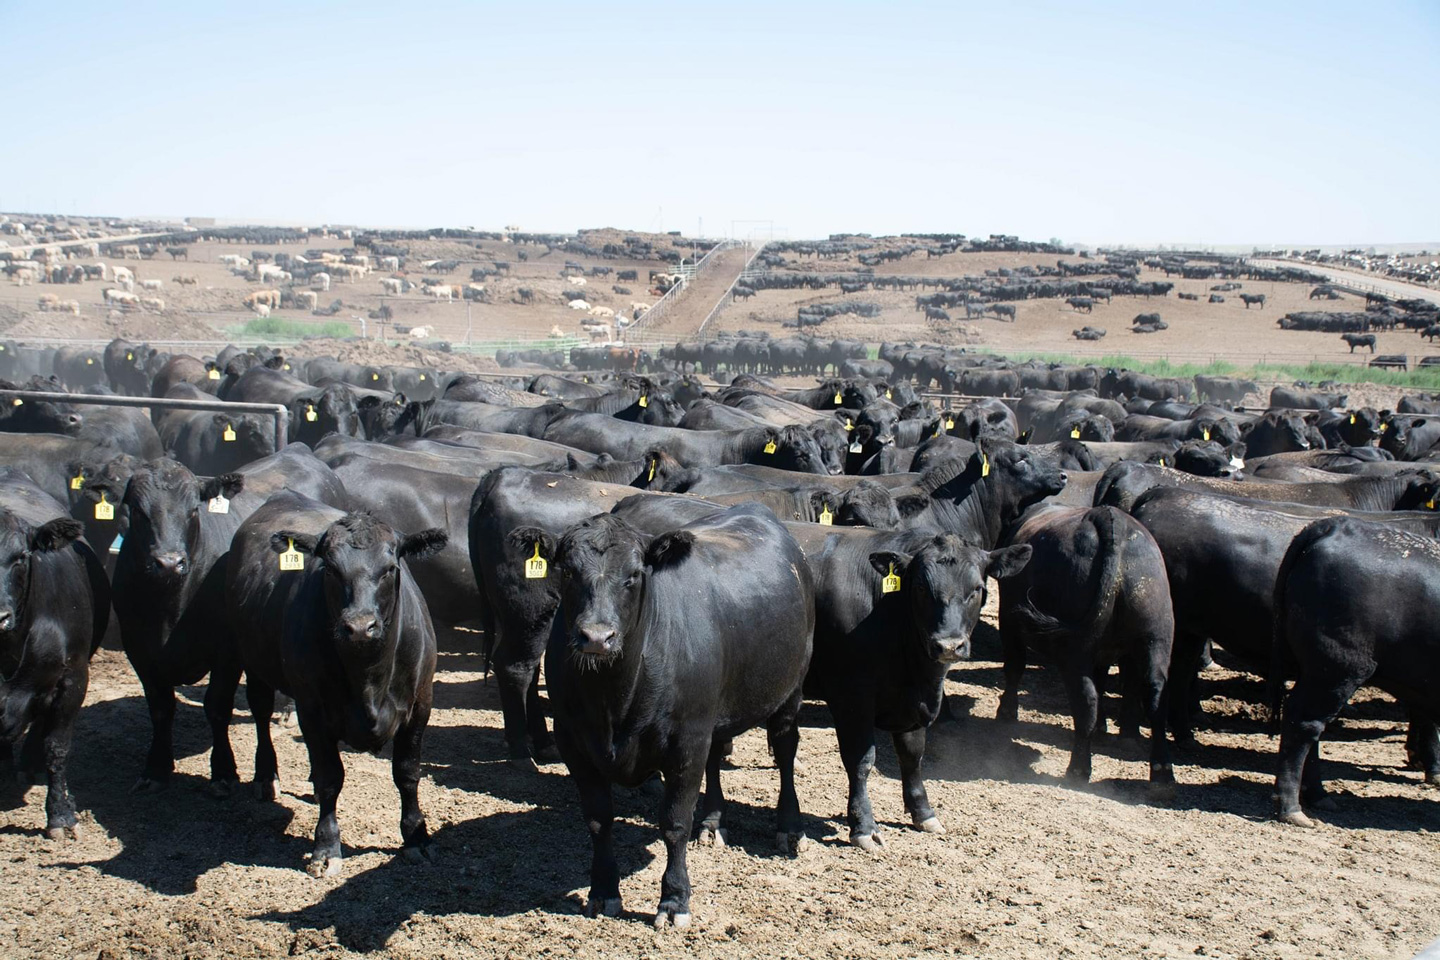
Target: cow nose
(362, 627)
(948, 649)
(1064, 477)
(7, 620)
(172, 563)
(74, 419)
(597, 638)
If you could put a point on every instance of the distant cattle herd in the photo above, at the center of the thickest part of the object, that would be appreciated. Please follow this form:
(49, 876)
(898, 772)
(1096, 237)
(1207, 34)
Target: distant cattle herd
(626, 521)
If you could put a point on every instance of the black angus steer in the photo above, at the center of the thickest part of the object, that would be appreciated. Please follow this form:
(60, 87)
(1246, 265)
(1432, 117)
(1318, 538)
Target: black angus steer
(1354, 604)
(510, 510)
(324, 609)
(54, 607)
(169, 584)
(1409, 437)
(214, 443)
(654, 665)
(790, 448)
(977, 499)
(1094, 593)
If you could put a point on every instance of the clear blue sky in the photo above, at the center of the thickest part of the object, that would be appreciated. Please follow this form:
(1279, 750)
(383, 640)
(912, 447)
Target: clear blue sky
(1218, 122)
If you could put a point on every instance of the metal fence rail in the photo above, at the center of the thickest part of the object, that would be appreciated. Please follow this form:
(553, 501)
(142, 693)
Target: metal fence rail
(276, 410)
(672, 296)
(729, 291)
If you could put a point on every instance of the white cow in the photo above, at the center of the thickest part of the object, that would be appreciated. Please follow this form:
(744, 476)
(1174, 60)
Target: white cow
(124, 275)
(390, 284)
(151, 284)
(602, 312)
(442, 292)
(261, 310)
(320, 281)
(576, 281)
(579, 305)
(154, 304)
(307, 299)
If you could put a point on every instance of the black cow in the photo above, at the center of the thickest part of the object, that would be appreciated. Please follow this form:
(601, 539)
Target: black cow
(325, 609)
(314, 413)
(1276, 432)
(789, 448)
(1359, 340)
(976, 499)
(214, 443)
(80, 368)
(1093, 594)
(1229, 389)
(1354, 604)
(1296, 398)
(1412, 490)
(124, 364)
(1409, 437)
(54, 607)
(653, 667)
(169, 585)
(1255, 298)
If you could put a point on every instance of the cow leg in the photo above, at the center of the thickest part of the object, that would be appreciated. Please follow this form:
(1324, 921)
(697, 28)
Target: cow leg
(784, 736)
(327, 775)
(516, 680)
(1084, 708)
(1312, 704)
(542, 744)
(1014, 654)
(219, 706)
(405, 769)
(710, 831)
(1184, 665)
(1155, 666)
(677, 815)
(160, 763)
(1422, 747)
(598, 806)
(59, 730)
(261, 698)
(910, 750)
(855, 730)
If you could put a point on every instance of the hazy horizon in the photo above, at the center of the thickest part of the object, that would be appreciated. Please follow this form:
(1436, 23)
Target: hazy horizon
(1119, 123)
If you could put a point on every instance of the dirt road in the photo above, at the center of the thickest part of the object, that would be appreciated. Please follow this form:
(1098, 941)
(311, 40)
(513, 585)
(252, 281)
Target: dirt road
(1398, 289)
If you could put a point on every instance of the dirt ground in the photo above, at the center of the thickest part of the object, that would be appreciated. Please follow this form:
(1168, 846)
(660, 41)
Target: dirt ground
(1029, 866)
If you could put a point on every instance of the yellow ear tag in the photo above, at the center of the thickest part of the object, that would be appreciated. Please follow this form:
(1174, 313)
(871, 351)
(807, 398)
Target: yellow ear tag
(891, 581)
(229, 435)
(374, 376)
(984, 465)
(104, 510)
(77, 481)
(1205, 433)
(218, 504)
(949, 423)
(214, 374)
(129, 356)
(770, 447)
(888, 395)
(536, 567)
(849, 426)
(826, 518)
(1075, 433)
(89, 361)
(422, 376)
(18, 402)
(1384, 427)
(838, 397)
(310, 413)
(1162, 461)
(291, 559)
(652, 472)
(644, 401)
(1352, 418)
(287, 367)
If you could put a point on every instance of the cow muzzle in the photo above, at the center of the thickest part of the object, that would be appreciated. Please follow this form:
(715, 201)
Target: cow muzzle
(7, 620)
(170, 564)
(597, 640)
(949, 649)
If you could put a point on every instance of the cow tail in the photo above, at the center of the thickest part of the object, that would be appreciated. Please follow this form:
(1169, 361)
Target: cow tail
(1282, 660)
(1043, 628)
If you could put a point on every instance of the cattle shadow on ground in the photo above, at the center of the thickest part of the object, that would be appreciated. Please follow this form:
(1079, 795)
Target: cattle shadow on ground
(485, 866)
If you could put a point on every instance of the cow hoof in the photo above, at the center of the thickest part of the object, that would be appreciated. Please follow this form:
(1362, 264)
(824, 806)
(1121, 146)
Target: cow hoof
(418, 854)
(60, 833)
(146, 785)
(524, 764)
(869, 842)
(266, 790)
(548, 754)
(603, 907)
(670, 913)
(793, 844)
(323, 866)
(1296, 819)
(220, 789)
(1162, 791)
(711, 837)
(930, 825)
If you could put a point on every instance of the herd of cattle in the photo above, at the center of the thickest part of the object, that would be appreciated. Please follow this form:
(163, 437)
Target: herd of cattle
(624, 531)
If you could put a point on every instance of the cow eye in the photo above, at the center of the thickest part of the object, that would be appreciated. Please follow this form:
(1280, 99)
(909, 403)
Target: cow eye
(632, 581)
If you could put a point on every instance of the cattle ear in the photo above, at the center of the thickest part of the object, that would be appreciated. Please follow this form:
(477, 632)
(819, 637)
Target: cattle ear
(528, 538)
(669, 548)
(283, 540)
(1024, 437)
(366, 403)
(221, 419)
(864, 433)
(1236, 450)
(274, 363)
(1008, 561)
(822, 500)
(910, 504)
(887, 562)
(56, 535)
(229, 484)
(426, 543)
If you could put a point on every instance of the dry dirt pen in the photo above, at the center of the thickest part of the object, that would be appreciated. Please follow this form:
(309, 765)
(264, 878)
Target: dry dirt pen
(1029, 867)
